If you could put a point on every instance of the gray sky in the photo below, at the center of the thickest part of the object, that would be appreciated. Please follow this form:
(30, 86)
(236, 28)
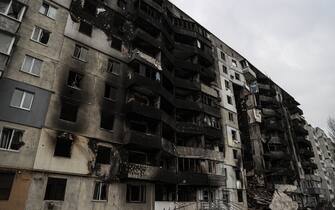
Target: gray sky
(292, 41)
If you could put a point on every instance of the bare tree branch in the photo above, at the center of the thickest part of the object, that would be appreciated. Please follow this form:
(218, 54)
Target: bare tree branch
(331, 127)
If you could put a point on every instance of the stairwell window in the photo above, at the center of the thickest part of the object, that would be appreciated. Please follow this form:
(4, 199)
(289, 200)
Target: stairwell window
(136, 193)
(31, 65)
(10, 139)
(80, 53)
(22, 99)
(100, 191)
(48, 10)
(40, 35)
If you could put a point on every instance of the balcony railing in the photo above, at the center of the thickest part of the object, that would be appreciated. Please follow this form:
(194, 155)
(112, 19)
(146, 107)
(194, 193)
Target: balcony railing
(249, 74)
(189, 127)
(9, 24)
(200, 153)
(147, 111)
(138, 54)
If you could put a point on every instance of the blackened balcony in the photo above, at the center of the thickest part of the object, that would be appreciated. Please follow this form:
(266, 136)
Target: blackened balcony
(299, 129)
(197, 179)
(149, 173)
(189, 128)
(306, 152)
(199, 153)
(276, 155)
(146, 37)
(187, 84)
(309, 164)
(135, 79)
(146, 11)
(3, 62)
(142, 140)
(168, 147)
(293, 109)
(211, 132)
(270, 113)
(187, 105)
(144, 110)
(207, 74)
(211, 110)
(265, 87)
(303, 141)
(269, 101)
(9, 24)
(142, 57)
(273, 125)
(248, 73)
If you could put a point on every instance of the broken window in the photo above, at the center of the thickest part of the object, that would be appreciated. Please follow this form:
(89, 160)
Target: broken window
(6, 43)
(234, 63)
(31, 65)
(6, 181)
(231, 116)
(40, 35)
(74, 80)
(10, 139)
(237, 76)
(137, 157)
(100, 191)
(48, 10)
(240, 195)
(13, 9)
(90, 7)
(63, 147)
(22, 99)
(229, 100)
(235, 154)
(116, 43)
(113, 67)
(223, 56)
(69, 112)
(227, 85)
(224, 69)
(234, 134)
(107, 121)
(80, 52)
(110, 92)
(136, 193)
(55, 189)
(85, 28)
(103, 155)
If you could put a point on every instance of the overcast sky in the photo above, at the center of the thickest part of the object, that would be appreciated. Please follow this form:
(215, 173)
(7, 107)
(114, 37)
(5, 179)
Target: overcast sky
(292, 41)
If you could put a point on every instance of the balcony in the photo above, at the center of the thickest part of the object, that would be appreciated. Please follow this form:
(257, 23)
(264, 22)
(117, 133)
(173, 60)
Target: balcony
(276, 155)
(187, 84)
(135, 79)
(145, 36)
(142, 140)
(168, 147)
(214, 111)
(249, 74)
(9, 24)
(147, 111)
(270, 113)
(214, 133)
(149, 173)
(187, 105)
(3, 62)
(153, 18)
(267, 100)
(273, 125)
(207, 74)
(144, 58)
(299, 129)
(189, 127)
(196, 179)
(303, 141)
(306, 153)
(191, 152)
(312, 177)
(188, 66)
(308, 164)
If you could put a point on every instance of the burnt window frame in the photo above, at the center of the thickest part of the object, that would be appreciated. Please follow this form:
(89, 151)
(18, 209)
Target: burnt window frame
(9, 146)
(61, 142)
(78, 49)
(237, 76)
(57, 193)
(114, 67)
(119, 43)
(86, 31)
(81, 77)
(98, 194)
(142, 193)
(47, 12)
(7, 185)
(229, 100)
(76, 112)
(104, 116)
(234, 63)
(103, 158)
(109, 88)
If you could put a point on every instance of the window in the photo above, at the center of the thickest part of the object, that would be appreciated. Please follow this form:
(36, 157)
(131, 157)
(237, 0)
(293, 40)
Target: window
(31, 65)
(223, 56)
(198, 44)
(12, 9)
(80, 53)
(240, 195)
(63, 147)
(6, 43)
(113, 67)
(69, 112)
(229, 100)
(116, 43)
(136, 193)
(110, 92)
(224, 69)
(237, 174)
(10, 139)
(22, 99)
(48, 10)
(234, 134)
(237, 76)
(55, 189)
(74, 80)
(107, 121)
(231, 117)
(6, 182)
(235, 153)
(227, 85)
(85, 28)
(100, 191)
(40, 35)
(234, 63)
(103, 155)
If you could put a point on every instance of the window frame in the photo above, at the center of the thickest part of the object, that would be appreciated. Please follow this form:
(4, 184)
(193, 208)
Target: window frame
(39, 35)
(234, 63)
(9, 50)
(48, 10)
(46, 188)
(11, 176)
(80, 53)
(142, 195)
(100, 186)
(21, 12)
(32, 65)
(22, 99)
(11, 138)
(111, 67)
(230, 99)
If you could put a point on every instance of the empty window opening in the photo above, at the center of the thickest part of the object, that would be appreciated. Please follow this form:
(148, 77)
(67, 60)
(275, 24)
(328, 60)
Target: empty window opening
(224, 69)
(110, 92)
(234, 134)
(240, 195)
(80, 53)
(137, 157)
(48, 10)
(223, 56)
(229, 100)
(63, 147)
(69, 112)
(136, 193)
(74, 80)
(231, 116)
(237, 76)
(113, 67)
(100, 191)
(104, 155)
(234, 63)
(31, 65)
(235, 153)
(85, 28)
(6, 182)
(116, 43)
(107, 121)
(11, 139)
(55, 189)
(22, 99)
(90, 8)
(40, 35)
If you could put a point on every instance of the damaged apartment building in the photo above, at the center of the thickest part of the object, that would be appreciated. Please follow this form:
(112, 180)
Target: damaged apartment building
(131, 104)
